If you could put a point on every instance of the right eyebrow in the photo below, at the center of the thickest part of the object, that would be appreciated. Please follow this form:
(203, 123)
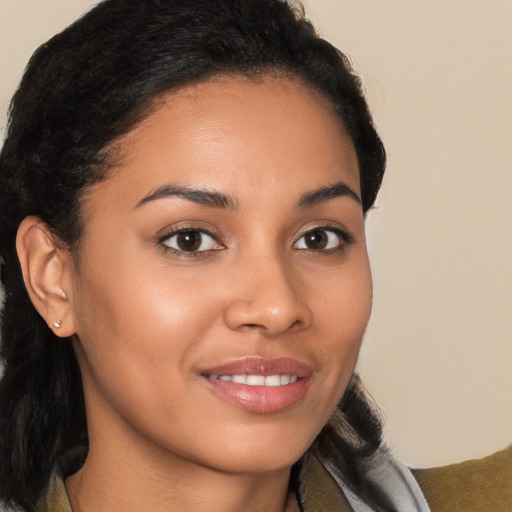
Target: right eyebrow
(200, 196)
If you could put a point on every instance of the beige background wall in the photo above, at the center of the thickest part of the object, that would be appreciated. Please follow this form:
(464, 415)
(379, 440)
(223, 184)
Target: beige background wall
(438, 353)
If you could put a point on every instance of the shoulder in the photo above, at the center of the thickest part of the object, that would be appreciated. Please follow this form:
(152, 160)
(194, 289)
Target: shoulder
(477, 485)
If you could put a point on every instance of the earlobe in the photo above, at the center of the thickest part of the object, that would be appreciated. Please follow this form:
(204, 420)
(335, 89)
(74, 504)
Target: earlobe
(47, 271)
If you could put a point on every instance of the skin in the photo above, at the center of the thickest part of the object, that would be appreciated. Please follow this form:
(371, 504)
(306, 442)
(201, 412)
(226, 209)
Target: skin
(148, 319)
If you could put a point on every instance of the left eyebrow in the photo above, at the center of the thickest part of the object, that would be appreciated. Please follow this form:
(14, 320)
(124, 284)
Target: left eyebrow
(327, 193)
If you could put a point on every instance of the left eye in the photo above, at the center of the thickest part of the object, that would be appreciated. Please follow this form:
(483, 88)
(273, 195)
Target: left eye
(190, 241)
(321, 239)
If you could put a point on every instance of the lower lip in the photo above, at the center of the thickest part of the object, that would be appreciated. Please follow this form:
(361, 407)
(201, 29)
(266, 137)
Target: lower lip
(260, 399)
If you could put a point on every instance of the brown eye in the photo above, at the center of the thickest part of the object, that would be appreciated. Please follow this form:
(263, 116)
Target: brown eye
(188, 241)
(191, 240)
(323, 239)
(316, 240)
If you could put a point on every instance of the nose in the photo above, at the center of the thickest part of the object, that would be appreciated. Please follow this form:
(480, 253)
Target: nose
(267, 296)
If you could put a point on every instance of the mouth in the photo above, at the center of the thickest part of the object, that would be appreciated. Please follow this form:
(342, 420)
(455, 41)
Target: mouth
(259, 384)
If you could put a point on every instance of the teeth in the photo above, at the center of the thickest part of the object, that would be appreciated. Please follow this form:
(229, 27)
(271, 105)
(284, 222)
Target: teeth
(273, 381)
(257, 380)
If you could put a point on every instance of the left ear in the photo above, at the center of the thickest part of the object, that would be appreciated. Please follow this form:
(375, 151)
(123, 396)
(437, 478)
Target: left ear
(47, 272)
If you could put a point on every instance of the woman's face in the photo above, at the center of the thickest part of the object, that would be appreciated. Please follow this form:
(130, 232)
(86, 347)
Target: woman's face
(223, 287)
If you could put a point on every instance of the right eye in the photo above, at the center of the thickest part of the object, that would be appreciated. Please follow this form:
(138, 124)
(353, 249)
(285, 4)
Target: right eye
(190, 241)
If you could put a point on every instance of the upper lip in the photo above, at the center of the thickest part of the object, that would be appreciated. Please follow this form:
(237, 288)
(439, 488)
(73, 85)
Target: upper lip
(255, 365)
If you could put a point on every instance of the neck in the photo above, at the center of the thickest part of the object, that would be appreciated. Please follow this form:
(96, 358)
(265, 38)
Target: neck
(133, 477)
(101, 490)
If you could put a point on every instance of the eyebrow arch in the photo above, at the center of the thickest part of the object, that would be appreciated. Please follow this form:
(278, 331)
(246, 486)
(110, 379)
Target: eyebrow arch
(323, 194)
(200, 196)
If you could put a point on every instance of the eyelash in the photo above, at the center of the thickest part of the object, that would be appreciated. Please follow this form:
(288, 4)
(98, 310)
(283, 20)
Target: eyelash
(344, 240)
(183, 253)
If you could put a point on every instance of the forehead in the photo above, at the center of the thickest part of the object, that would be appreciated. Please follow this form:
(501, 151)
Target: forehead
(237, 135)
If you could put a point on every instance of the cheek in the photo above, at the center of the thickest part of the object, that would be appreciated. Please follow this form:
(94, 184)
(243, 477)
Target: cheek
(139, 326)
(342, 303)
(138, 335)
(138, 296)
(341, 312)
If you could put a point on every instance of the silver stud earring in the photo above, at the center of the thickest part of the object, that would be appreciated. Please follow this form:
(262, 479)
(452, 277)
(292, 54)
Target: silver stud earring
(57, 324)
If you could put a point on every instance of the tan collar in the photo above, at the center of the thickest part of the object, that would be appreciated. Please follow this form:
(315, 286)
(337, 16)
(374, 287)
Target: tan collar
(318, 492)
(56, 500)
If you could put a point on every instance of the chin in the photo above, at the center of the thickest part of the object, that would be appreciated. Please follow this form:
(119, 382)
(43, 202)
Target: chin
(263, 453)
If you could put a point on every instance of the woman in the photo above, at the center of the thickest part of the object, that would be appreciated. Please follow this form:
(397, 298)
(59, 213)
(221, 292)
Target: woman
(187, 282)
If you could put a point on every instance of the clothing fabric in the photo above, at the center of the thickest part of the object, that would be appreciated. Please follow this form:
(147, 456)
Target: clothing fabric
(478, 485)
(483, 485)
(321, 489)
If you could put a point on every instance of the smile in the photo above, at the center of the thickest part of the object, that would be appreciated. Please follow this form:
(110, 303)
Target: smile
(260, 385)
(257, 380)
